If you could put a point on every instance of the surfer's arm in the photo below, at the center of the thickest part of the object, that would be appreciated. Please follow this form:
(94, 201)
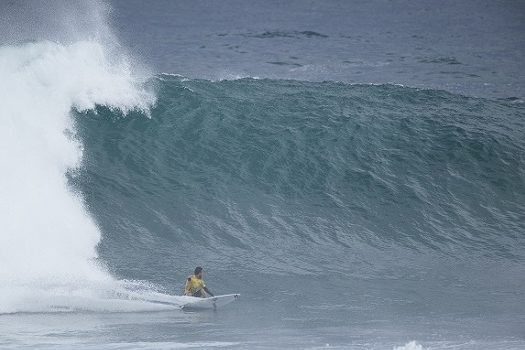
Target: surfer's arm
(187, 289)
(208, 291)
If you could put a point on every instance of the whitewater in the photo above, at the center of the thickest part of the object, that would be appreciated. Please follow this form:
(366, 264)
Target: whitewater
(48, 254)
(348, 215)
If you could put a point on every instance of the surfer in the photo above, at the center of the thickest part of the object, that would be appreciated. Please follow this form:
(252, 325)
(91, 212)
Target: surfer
(195, 285)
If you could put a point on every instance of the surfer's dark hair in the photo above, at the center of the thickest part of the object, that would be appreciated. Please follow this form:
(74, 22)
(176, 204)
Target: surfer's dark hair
(198, 270)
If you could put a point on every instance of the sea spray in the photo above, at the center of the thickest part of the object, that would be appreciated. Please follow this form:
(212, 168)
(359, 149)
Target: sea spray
(48, 241)
(413, 345)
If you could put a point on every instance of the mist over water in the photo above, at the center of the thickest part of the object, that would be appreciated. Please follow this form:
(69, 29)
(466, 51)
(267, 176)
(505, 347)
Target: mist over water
(58, 21)
(49, 240)
(347, 215)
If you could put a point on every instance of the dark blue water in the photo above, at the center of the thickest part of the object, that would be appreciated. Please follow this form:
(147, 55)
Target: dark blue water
(356, 170)
(468, 47)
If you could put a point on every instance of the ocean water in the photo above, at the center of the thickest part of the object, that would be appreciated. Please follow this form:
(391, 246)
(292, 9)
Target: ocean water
(375, 210)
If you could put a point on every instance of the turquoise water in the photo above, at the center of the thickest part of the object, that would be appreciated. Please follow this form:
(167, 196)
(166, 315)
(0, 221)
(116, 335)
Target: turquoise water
(328, 206)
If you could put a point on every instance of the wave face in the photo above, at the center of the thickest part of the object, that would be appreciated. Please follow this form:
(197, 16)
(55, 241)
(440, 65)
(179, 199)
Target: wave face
(332, 208)
(289, 177)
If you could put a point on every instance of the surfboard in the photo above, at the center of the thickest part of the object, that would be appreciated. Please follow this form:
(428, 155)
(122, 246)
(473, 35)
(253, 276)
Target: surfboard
(192, 303)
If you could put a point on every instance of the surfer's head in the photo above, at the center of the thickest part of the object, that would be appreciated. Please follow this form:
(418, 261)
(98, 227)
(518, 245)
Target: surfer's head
(198, 271)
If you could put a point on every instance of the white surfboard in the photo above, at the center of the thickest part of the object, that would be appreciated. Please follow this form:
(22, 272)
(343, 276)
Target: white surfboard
(192, 303)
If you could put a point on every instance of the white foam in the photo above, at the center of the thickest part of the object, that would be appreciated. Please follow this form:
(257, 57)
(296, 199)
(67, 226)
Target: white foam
(413, 345)
(47, 239)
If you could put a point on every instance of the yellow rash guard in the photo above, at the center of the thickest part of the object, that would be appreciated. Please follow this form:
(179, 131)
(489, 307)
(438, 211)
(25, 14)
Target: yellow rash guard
(193, 285)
